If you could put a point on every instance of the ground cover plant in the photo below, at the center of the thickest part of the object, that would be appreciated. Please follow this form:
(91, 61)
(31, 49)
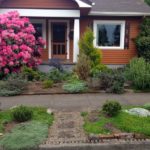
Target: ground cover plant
(30, 133)
(122, 121)
(76, 86)
(12, 86)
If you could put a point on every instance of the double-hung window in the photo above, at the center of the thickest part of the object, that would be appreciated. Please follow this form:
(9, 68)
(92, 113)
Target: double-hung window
(40, 28)
(109, 34)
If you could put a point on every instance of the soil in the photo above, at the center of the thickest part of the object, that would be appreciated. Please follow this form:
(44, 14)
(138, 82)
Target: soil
(94, 116)
(37, 88)
(9, 126)
(112, 128)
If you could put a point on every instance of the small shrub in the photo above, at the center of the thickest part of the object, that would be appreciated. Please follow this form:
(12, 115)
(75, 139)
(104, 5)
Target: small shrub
(22, 114)
(96, 70)
(111, 108)
(147, 106)
(138, 72)
(117, 88)
(75, 87)
(55, 75)
(112, 82)
(106, 80)
(82, 68)
(30, 74)
(47, 84)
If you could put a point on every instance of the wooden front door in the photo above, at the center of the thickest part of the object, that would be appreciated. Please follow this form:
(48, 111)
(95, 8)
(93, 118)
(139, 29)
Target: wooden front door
(59, 40)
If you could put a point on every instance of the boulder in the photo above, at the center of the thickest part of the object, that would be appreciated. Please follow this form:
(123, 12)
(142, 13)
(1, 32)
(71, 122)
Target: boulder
(138, 112)
(49, 111)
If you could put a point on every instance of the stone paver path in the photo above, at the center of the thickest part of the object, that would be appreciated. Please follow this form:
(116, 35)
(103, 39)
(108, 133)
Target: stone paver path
(67, 128)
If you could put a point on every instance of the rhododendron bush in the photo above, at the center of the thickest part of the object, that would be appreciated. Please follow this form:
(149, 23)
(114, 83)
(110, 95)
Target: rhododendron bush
(18, 46)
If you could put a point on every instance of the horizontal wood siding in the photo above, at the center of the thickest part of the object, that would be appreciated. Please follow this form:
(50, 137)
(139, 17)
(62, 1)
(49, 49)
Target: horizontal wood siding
(67, 4)
(117, 56)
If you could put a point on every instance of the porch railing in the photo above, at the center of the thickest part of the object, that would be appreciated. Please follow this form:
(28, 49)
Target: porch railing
(59, 48)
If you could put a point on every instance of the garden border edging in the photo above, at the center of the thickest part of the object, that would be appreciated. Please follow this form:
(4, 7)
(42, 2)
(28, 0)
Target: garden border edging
(135, 145)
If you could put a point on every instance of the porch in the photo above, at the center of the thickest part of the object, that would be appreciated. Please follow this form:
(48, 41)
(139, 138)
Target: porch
(61, 40)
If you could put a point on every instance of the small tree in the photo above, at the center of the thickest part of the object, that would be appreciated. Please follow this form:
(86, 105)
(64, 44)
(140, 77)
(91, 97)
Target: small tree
(18, 45)
(87, 47)
(83, 67)
(143, 40)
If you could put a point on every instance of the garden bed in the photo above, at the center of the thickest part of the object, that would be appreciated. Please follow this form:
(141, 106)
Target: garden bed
(36, 88)
(31, 133)
(98, 126)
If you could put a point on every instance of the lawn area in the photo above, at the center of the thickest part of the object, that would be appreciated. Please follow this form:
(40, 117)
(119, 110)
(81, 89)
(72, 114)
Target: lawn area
(123, 121)
(30, 133)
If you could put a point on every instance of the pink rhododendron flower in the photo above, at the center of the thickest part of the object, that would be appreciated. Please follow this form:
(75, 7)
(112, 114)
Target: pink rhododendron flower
(18, 45)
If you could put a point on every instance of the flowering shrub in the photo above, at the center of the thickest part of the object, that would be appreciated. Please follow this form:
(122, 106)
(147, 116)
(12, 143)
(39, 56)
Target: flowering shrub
(18, 45)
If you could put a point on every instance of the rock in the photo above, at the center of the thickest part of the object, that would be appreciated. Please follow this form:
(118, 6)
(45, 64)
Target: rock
(49, 111)
(13, 107)
(93, 137)
(1, 134)
(138, 112)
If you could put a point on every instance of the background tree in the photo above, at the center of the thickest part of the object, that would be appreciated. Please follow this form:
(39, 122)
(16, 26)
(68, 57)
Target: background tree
(143, 40)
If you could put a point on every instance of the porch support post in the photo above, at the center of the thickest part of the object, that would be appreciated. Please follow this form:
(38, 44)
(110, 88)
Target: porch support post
(76, 40)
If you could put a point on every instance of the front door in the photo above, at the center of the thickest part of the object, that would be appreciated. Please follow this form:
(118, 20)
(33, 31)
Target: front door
(59, 40)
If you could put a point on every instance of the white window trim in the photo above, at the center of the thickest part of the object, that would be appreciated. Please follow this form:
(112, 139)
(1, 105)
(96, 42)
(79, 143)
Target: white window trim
(43, 22)
(50, 32)
(122, 36)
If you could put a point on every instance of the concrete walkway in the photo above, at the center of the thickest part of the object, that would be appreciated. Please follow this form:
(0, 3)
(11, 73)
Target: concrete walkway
(76, 102)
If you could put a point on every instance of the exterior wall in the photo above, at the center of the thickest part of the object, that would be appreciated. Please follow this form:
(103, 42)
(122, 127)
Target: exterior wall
(117, 56)
(67, 4)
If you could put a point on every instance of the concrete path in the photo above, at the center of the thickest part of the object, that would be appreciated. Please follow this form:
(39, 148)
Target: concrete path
(76, 102)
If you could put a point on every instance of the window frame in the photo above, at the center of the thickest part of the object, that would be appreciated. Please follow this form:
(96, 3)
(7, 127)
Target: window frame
(43, 22)
(110, 22)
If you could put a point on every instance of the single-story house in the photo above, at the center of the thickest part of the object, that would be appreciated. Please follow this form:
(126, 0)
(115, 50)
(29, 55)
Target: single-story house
(61, 23)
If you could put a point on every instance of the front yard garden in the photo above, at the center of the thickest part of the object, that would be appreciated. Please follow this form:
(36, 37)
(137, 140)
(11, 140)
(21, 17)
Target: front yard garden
(24, 127)
(20, 56)
(113, 120)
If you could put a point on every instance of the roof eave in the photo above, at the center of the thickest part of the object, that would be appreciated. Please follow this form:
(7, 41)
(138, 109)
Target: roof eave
(83, 4)
(97, 13)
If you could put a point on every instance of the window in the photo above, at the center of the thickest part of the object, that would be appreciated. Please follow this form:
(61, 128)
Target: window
(40, 27)
(109, 34)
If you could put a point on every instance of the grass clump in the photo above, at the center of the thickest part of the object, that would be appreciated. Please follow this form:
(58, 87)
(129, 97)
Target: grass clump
(22, 114)
(47, 84)
(76, 86)
(147, 106)
(111, 108)
(25, 136)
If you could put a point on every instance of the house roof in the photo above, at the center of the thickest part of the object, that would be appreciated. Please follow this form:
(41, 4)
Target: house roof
(119, 7)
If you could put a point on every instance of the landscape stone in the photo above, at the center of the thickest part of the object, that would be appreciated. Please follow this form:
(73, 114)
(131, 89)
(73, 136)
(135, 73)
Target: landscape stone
(138, 112)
